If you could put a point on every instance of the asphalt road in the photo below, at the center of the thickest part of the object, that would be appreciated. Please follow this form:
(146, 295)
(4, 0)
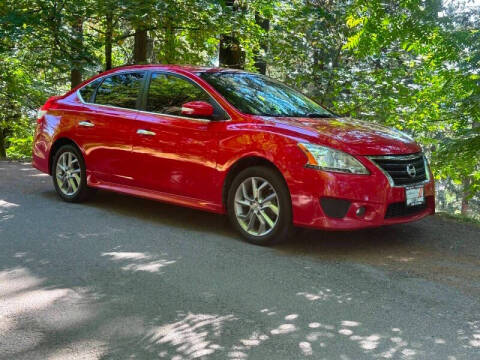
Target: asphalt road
(126, 278)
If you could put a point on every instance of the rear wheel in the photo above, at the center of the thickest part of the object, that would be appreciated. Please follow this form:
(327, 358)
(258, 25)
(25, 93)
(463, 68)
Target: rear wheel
(69, 175)
(259, 206)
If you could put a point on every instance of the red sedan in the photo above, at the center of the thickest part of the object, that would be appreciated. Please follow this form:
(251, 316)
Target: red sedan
(231, 142)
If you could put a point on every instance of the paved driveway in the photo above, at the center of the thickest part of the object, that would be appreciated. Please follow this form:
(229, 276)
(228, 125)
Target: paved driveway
(126, 278)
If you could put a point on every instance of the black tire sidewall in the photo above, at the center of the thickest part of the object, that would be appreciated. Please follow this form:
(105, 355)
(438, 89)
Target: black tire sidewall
(283, 227)
(82, 193)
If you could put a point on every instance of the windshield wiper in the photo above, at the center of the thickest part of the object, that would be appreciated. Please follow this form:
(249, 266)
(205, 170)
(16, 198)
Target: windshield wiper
(311, 115)
(315, 115)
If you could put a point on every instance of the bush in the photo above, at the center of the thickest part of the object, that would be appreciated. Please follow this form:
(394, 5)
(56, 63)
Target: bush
(20, 139)
(19, 148)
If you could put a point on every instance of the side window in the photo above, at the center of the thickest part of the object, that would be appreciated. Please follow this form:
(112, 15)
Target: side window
(120, 90)
(87, 91)
(167, 94)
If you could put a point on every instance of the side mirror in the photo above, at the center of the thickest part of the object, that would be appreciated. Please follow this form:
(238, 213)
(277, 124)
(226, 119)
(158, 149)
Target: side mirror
(197, 109)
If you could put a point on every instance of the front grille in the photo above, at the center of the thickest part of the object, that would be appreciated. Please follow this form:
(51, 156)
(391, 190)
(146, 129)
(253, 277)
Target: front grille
(403, 169)
(400, 209)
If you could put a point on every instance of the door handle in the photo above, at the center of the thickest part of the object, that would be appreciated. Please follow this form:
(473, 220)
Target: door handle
(145, 132)
(86, 124)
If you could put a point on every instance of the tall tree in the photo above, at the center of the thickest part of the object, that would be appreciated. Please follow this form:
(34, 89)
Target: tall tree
(140, 46)
(260, 57)
(108, 38)
(76, 49)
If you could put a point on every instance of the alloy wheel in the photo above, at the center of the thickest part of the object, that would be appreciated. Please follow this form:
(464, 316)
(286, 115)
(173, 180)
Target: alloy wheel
(68, 173)
(257, 206)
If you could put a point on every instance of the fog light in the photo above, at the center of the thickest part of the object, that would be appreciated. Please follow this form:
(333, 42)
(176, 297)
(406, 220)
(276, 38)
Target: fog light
(360, 211)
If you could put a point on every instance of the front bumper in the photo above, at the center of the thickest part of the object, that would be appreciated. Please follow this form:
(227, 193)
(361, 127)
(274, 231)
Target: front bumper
(372, 192)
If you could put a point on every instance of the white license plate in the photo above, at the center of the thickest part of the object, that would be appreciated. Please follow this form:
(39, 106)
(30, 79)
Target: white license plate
(414, 195)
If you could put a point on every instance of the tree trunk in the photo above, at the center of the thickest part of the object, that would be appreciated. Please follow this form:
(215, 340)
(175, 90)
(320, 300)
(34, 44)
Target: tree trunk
(75, 77)
(77, 49)
(3, 149)
(140, 46)
(230, 53)
(467, 183)
(260, 60)
(465, 195)
(169, 44)
(108, 40)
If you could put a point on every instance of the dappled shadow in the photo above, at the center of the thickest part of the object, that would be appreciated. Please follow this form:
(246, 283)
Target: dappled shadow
(132, 261)
(126, 310)
(126, 278)
(32, 313)
(282, 335)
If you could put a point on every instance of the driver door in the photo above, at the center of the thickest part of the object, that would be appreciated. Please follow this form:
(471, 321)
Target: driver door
(174, 153)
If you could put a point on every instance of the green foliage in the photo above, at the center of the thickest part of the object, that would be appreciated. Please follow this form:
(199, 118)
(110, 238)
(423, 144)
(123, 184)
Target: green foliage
(435, 80)
(20, 140)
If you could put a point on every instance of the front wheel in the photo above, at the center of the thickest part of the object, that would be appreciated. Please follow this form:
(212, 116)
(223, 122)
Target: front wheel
(69, 175)
(259, 206)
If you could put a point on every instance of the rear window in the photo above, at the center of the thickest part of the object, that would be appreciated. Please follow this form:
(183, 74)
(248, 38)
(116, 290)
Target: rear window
(88, 90)
(120, 90)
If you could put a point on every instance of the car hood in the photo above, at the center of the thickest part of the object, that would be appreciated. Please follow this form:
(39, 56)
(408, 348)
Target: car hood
(351, 135)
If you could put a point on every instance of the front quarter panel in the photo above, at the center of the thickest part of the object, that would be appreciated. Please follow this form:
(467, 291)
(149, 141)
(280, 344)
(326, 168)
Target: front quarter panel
(243, 140)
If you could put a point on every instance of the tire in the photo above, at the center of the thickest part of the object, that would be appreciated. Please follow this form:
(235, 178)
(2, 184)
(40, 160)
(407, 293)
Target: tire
(275, 215)
(69, 175)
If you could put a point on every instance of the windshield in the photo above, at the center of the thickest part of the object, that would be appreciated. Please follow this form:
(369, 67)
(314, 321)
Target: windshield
(259, 95)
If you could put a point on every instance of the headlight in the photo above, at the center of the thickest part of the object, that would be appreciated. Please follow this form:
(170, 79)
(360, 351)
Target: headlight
(325, 158)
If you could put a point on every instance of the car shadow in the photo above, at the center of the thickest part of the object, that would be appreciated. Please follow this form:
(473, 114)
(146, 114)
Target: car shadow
(345, 244)
(403, 245)
(156, 212)
(303, 241)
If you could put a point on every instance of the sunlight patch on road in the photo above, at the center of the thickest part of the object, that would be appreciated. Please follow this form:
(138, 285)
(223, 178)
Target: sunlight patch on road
(345, 331)
(5, 205)
(350, 323)
(291, 317)
(473, 339)
(306, 348)
(152, 266)
(138, 261)
(284, 329)
(127, 255)
(23, 295)
(192, 337)
(84, 350)
(109, 231)
(16, 280)
(240, 351)
(325, 295)
(30, 312)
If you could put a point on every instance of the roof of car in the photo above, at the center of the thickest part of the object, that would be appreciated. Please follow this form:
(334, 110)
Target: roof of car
(181, 68)
(188, 68)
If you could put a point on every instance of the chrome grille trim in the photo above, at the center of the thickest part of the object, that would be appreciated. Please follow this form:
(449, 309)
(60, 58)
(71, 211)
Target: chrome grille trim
(398, 160)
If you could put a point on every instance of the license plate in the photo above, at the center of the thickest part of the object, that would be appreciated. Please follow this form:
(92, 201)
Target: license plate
(414, 195)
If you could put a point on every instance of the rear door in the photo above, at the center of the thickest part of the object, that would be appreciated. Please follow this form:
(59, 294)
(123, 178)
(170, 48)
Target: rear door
(106, 125)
